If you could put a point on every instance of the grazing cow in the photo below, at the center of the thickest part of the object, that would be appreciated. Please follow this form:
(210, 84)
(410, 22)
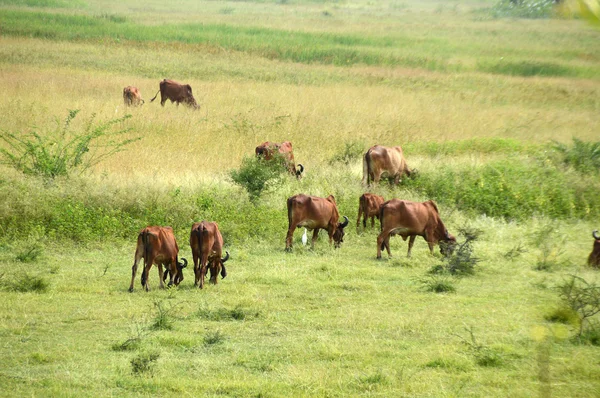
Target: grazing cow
(268, 149)
(207, 247)
(171, 90)
(314, 213)
(380, 161)
(405, 218)
(594, 258)
(157, 245)
(368, 206)
(132, 96)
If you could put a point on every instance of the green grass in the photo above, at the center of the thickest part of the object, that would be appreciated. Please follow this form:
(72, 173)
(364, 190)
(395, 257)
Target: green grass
(499, 115)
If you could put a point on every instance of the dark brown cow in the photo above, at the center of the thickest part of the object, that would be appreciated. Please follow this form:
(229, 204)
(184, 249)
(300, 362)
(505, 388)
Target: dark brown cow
(171, 90)
(368, 206)
(314, 213)
(132, 96)
(207, 247)
(381, 161)
(267, 150)
(405, 218)
(594, 258)
(157, 245)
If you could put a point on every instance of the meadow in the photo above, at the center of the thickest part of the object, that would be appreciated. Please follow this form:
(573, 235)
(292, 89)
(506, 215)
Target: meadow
(481, 103)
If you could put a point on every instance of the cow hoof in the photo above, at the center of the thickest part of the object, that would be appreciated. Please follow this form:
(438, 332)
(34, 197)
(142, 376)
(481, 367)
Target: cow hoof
(130, 290)
(288, 249)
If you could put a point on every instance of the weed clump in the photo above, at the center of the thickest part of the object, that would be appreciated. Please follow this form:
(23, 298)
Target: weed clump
(483, 355)
(26, 283)
(144, 362)
(438, 283)
(213, 338)
(582, 156)
(350, 153)
(462, 262)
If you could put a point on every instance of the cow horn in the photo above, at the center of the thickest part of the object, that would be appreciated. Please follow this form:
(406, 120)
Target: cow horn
(301, 169)
(595, 234)
(226, 257)
(343, 225)
(184, 264)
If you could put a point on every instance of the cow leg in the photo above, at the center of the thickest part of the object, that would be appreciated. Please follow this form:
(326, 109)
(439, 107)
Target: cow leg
(160, 275)
(411, 241)
(381, 243)
(289, 237)
(196, 259)
(431, 245)
(203, 268)
(146, 272)
(315, 236)
(372, 222)
(358, 219)
(136, 260)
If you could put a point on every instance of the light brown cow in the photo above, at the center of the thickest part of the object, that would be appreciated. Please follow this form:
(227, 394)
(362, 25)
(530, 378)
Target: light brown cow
(412, 219)
(157, 245)
(207, 247)
(314, 213)
(171, 90)
(132, 96)
(594, 258)
(380, 161)
(368, 206)
(268, 149)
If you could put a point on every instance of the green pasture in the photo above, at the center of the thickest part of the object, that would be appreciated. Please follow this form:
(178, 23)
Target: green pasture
(498, 113)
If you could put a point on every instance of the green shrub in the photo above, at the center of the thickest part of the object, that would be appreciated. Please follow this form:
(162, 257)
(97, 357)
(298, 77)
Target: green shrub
(582, 156)
(62, 152)
(583, 298)
(524, 68)
(213, 338)
(438, 283)
(144, 362)
(564, 315)
(164, 317)
(350, 153)
(257, 175)
(30, 253)
(26, 283)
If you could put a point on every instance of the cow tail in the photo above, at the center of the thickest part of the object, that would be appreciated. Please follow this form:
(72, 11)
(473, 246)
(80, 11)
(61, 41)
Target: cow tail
(147, 246)
(366, 168)
(381, 208)
(155, 95)
(290, 215)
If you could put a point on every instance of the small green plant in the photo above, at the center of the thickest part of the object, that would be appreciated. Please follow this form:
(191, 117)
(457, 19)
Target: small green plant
(27, 283)
(582, 156)
(62, 152)
(223, 314)
(438, 283)
(550, 246)
(133, 342)
(256, 175)
(583, 298)
(515, 252)
(531, 9)
(164, 317)
(30, 253)
(144, 362)
(350, 153)
(462, 262)
(483, 355)
(213, 338)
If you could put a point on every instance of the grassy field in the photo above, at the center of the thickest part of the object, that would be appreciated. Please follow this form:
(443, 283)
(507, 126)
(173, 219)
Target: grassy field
(479, 104)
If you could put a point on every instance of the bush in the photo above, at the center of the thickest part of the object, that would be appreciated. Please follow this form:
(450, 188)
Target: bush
(350, 153)
(462, 262)
(62, 152)
(257, 175)
(438, 283)
(27, 283)
(213, 338)
(583, 298)
(144, 362)
(582, 156)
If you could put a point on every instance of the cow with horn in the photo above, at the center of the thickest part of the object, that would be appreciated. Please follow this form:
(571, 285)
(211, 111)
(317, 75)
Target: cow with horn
(314, 213)
(206, 243)
(594, 258)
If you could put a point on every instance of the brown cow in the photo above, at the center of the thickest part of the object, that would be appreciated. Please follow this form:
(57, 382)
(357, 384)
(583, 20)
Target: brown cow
(405, 218)
(314, 213)
(171, 90)
(207, 247)
(384, 161)
(267, 151)
(157, 245)
(594, 258)
(132, 96)
(368, 206)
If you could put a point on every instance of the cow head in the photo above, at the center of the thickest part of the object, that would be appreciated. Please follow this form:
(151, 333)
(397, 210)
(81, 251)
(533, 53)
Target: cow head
(594, 258)
(223, 260)
(338, 235)
(447, 244)
(300, 171)
(189, 98)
